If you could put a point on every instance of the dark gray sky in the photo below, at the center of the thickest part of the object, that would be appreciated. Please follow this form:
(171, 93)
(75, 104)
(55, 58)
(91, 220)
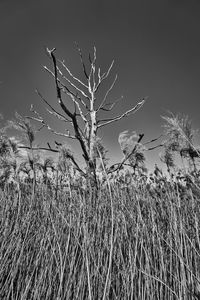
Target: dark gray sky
(155, 45)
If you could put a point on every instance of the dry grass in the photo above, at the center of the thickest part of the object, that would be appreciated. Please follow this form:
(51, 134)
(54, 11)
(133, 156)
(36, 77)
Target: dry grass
(60, 248)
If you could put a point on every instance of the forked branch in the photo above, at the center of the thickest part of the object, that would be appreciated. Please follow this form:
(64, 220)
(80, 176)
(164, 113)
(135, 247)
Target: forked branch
(44, 124)
(59, 115)
(118, 166)
(82, 62)
(107, 93)
(127, 113)
(58, 89)
(70, 73)
(110, 106)
(102, 77)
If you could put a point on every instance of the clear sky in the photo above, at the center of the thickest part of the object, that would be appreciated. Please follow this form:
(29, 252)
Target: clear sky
(155, 45)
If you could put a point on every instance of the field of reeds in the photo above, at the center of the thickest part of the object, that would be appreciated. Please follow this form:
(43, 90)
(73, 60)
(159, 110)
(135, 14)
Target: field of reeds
(131, 239)
(101, 231)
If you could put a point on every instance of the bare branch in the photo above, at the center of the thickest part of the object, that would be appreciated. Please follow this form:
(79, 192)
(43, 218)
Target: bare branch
(70, 73)
(112, 105)
(94, 69)
(107, 92)
(57, 116)
(91, 77)
(104, 75)
(157, 146)
(119, 165)
(58, 90)
(153, 140)
(44, 124)
(127, 113)
(72, 96)
(38, 148)
(66, 89)
(95, 55)
(80, 138)
(39, 129)
(49, 146)
(82, 62)
(49, 105)
(79, 108)
(76, 104)
(72, 84)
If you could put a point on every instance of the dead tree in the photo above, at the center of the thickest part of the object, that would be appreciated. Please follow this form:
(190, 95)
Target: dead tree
(84, 120)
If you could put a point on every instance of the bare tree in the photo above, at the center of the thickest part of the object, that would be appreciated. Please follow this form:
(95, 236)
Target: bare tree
(82, 115)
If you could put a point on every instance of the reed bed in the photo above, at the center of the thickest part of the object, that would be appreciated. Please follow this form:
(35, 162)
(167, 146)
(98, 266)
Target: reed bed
(134, 243)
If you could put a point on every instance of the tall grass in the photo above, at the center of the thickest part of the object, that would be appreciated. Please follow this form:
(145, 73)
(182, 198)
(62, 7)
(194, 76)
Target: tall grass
(56, 244)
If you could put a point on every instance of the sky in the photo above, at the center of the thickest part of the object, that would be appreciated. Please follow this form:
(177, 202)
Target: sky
(155, 45)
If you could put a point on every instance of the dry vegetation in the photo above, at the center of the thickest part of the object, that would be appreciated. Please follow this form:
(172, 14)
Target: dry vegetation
(137, 242)
(126, 234)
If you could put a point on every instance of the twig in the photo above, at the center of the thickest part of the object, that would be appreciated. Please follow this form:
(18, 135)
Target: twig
(45, 101)
(128, 112)
(119, 165)
(44, 124)
(112, 105)
(72, 84)
(107, 92)
(153, 140)
(81, 58)
(66, 89)
(70, 73)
